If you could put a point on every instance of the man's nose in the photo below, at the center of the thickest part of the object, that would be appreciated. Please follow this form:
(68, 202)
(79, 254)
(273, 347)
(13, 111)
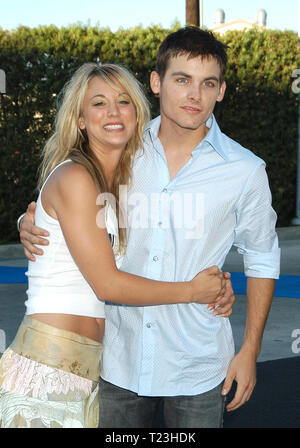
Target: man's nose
(194, 92)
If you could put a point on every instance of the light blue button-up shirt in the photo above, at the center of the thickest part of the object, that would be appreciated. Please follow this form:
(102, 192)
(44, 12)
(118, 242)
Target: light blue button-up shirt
(177, 228)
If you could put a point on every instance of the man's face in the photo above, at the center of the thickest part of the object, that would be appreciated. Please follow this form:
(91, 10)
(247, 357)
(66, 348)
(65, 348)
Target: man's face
(188, 91)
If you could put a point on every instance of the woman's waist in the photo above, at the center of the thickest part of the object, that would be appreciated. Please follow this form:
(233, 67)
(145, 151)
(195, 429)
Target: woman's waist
(57, 347)
(89, 327)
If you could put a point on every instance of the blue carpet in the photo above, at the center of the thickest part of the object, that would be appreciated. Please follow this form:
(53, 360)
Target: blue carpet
(286, 286)
(10, 274)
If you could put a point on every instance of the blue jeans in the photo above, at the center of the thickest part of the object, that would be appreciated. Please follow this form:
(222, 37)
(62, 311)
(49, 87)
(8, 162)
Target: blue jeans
(121, 408)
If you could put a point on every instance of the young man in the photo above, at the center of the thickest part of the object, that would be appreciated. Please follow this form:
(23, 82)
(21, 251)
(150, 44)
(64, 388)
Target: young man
(181, 353)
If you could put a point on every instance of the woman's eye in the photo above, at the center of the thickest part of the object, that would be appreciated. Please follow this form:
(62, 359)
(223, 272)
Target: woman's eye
(124, 102)
(100, 103)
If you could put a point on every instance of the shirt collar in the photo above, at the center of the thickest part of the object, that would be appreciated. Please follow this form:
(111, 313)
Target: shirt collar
(214, 136)
(152, 128)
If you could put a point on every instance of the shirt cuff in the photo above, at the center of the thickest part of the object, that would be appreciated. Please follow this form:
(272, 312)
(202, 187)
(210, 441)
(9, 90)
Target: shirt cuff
(262, 264)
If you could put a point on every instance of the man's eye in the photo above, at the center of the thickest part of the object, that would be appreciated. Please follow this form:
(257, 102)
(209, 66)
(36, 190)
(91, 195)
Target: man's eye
(181, 80)
(209, 84)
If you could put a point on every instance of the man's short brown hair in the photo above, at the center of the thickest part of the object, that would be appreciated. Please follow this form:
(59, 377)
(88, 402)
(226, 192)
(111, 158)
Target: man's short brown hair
(193, 42)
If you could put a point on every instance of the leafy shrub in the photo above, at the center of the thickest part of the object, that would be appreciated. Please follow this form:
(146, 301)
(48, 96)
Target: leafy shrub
(259, 109)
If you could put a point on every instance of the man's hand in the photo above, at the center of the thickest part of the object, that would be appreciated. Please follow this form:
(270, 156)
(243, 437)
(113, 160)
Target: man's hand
(242, 369)
(30, 235)
(243, 366)
(223, 305)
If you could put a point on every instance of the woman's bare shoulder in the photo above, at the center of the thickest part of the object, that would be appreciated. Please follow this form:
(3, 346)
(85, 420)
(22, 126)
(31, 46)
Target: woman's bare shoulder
(72, 176)
(70, 183)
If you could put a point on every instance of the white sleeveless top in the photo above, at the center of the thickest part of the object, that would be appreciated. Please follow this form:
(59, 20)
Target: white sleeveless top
(56, 285)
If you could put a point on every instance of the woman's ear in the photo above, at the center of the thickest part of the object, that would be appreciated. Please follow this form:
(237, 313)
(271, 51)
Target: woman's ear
(81, 123)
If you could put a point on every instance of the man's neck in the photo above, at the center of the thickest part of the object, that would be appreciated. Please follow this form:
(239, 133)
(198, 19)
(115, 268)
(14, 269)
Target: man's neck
(178, 144)
(180, 140)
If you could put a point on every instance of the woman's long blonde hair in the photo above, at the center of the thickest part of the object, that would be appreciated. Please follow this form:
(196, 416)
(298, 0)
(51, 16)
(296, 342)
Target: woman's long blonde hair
(69, 142)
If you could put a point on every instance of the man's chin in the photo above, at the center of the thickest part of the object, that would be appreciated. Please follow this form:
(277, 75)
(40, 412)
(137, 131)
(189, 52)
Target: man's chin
(187, 125)
(191, 126)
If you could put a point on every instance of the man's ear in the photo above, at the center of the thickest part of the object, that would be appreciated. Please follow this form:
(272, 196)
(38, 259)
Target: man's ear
(155, 82)
(222, 91)
(81, 123)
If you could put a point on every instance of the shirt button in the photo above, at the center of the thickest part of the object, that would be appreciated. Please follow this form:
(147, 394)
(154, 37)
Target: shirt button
(148, 325)
(155, 258)
(165, 190)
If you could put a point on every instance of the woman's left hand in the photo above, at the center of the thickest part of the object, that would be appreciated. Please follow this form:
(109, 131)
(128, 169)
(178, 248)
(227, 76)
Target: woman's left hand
(224, 303)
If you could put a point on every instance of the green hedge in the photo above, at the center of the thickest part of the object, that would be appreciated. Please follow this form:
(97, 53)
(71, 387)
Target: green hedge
(259, 109)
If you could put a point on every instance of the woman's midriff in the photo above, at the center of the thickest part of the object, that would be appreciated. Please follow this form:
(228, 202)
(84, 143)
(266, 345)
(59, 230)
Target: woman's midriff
(89, 327)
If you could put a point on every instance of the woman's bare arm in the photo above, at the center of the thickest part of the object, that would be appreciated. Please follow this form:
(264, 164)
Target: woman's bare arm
(71, 195)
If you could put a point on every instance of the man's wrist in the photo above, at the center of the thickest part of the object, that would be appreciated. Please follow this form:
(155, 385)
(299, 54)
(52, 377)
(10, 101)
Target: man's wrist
(19, 221)
(251, 349)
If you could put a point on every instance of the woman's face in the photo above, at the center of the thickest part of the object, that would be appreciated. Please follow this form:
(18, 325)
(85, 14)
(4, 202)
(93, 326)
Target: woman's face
(108, 116)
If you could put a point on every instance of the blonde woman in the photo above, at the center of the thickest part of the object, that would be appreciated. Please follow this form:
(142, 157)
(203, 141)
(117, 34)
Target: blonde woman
(49, 375)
